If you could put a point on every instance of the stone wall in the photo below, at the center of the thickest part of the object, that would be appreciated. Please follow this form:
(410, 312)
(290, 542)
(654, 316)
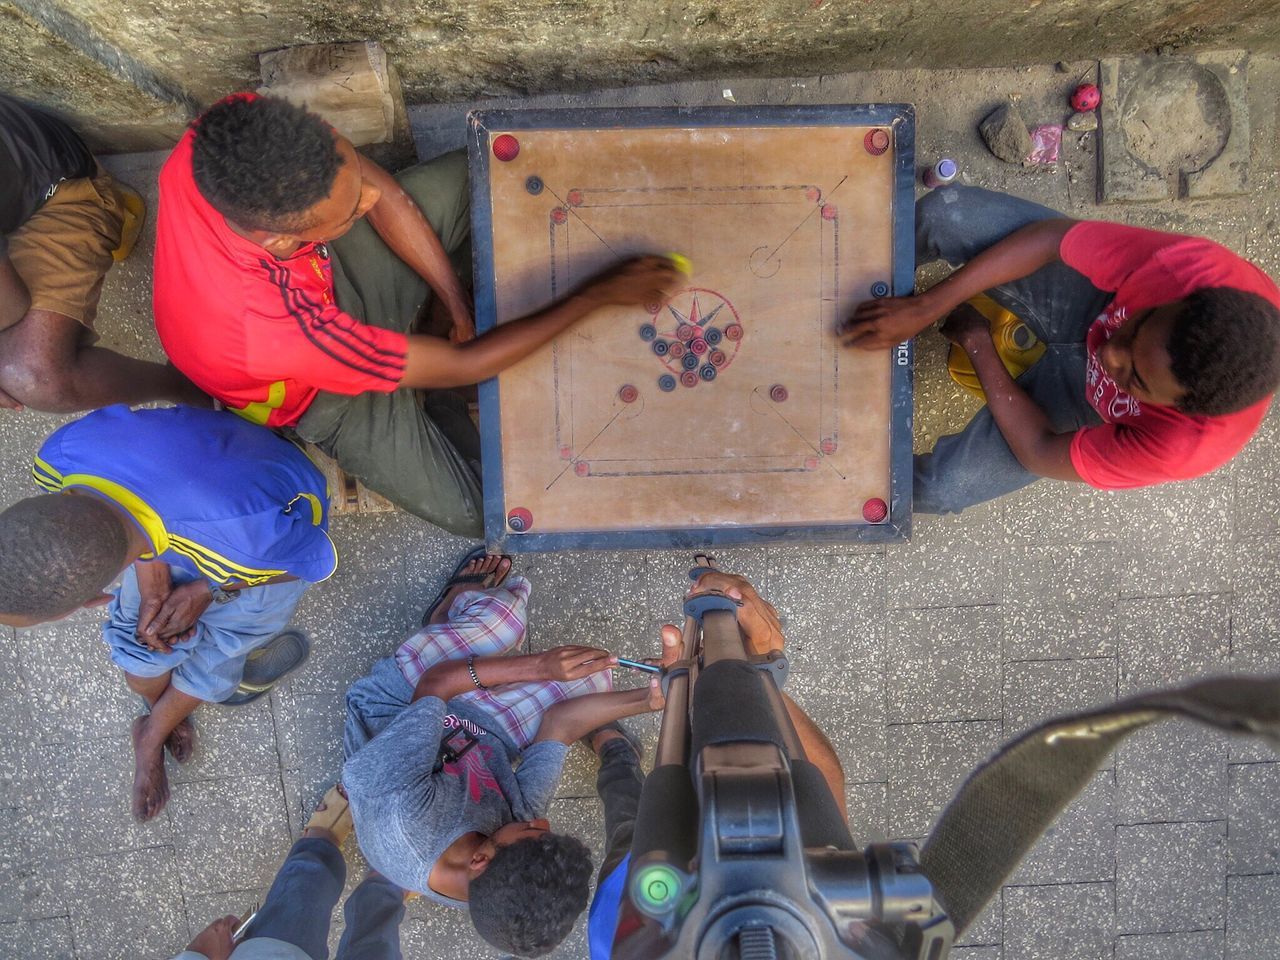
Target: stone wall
(131, 71)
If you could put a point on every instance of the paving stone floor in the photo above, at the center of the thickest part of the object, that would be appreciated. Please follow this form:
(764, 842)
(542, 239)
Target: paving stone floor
(917, 659)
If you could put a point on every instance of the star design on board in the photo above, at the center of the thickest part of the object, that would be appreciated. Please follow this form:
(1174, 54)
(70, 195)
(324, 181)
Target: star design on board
(695, 317)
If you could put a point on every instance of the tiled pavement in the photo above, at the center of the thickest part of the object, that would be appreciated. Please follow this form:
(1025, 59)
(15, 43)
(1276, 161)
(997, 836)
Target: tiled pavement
(917, 659)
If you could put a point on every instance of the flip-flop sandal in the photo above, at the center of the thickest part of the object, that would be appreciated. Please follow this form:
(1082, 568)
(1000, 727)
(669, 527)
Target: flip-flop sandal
(335, 815)
(459, 578)
(627, 735)
(269, 664)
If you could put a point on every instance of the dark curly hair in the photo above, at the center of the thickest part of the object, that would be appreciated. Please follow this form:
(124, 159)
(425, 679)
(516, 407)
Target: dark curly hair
(533, 890)
(1225, 350)
(262, 162)
(57, 552)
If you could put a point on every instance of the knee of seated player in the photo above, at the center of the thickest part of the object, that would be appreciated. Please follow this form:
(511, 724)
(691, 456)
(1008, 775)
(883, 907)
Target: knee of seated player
(37, 365)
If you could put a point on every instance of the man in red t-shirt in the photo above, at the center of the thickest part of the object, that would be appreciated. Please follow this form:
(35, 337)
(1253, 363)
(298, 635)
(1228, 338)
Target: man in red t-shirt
(306, 288)
(1163, 350)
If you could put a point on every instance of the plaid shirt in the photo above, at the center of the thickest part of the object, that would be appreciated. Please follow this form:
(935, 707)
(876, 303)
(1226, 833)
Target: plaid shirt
(491, 623)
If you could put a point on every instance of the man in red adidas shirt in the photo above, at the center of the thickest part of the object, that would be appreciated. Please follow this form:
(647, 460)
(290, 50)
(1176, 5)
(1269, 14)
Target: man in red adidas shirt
(300, 284)
(1163, 349)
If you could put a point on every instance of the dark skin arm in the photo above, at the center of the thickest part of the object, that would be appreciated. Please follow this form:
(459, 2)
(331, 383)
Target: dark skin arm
(575, 718)
(446, 680)
(15, 301)
(882, 324)
(1024, 425)
(399, 221)
(435, 363)
(168, 614)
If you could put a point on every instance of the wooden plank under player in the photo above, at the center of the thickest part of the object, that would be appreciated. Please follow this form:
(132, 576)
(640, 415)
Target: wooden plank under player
(728, 413)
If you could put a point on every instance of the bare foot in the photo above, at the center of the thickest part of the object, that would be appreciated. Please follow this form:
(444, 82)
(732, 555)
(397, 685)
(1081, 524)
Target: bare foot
(182, 742)
(494, 569)
(150, 785)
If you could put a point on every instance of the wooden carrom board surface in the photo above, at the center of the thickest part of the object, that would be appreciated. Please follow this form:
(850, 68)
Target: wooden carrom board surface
(728, 413)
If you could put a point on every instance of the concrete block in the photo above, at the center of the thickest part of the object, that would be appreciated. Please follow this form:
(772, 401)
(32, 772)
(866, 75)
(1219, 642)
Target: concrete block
(1255, 608)
(1253, 831)
(1061, 574)
(1176, 539)
(1253, 903)
(1170, 772)
(126, 906)
(203, 909)
(239, 740)
(943, 663)
(230, 834)
(1052, 512)
(987, 928)
(849, 705)
(48, 939)
(1169, 877)
(976, 953)
(1040, 690)
(927, 763)
(72, 684)
(1059, 631)
(866, 805)
(1197, 945)
(943, 565)
(1080, 845)
(1169, 641)
(1074, 921)
(1174, 127)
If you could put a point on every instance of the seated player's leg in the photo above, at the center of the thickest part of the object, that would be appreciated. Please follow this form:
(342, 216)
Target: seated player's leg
(956, 223)
(423, 458)
(47, 360)
(374, 912)
(299, 906)
(388, 441)
(976, 465)
(618, 783)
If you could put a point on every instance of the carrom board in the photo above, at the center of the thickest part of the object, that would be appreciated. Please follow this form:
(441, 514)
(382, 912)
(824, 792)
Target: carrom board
(728, 413)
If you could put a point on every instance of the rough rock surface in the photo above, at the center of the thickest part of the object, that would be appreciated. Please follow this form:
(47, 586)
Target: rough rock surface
(1082, 121)
(1006, 133)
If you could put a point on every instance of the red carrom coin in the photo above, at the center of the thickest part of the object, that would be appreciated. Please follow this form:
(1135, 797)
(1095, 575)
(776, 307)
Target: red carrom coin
(506, 147)
(628, 394)
(876, 141)
(733, 331)
(875, 510)
(519, 519)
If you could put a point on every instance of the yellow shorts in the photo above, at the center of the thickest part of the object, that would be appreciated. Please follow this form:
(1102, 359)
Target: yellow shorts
(64, 250)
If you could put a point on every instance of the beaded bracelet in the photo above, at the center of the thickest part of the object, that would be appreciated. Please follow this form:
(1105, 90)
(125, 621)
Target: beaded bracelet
(471, 669)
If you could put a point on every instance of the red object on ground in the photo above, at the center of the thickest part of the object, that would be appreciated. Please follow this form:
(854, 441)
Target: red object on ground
(519, 519)
(1086, 97)
(506, 147)
(875, 510)
(628, 394)
(876, 141)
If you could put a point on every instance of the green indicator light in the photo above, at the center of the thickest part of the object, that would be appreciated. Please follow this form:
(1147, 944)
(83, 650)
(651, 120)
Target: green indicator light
(657, 887)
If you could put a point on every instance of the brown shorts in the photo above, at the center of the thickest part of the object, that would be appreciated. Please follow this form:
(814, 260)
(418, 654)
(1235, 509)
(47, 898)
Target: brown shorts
(64, 250)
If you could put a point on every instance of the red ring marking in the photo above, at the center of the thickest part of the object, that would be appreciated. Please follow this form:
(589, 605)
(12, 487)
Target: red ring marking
(566, 453)
(813, 194)
(698, 346)
(828, 446)
(689, 378)
(875, 510)
(829, 211)
(574, 197)
(811, 463)
(506, 147)
(582, 468)
(559, 215)
(876, 141)
(733, 331)
(628, 393)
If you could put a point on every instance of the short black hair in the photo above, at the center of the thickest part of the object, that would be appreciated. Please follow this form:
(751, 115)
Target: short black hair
(1224, 349)
(533, 890)
(57, 552)
(262, 161)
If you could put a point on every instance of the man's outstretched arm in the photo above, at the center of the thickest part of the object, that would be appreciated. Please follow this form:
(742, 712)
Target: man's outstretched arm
(437, 363)
(880, 324)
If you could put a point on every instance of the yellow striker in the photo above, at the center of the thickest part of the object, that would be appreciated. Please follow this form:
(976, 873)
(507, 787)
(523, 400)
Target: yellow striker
(1017, 346)
(682, 263)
